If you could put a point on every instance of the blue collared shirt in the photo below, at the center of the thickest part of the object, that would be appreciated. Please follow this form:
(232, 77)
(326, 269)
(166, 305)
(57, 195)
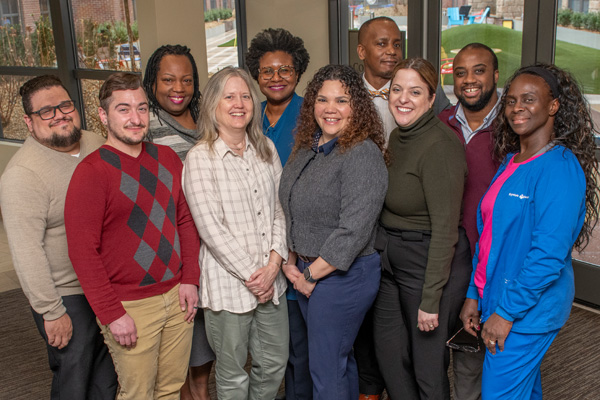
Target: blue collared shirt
(282, 134)
(325, 148)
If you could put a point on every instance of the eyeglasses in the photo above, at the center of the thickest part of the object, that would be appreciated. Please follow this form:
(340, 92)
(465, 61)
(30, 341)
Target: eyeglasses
(285, 72)
(45, 113)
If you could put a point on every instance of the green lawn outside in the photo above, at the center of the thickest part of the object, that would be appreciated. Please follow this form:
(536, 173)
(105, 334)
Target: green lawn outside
(230, 43)
(581, 61)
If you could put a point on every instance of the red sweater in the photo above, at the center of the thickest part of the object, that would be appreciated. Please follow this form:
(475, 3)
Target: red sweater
(482, 167)
(129, 229)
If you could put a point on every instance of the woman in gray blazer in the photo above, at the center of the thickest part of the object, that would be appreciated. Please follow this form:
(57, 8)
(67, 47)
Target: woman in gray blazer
(332, 190)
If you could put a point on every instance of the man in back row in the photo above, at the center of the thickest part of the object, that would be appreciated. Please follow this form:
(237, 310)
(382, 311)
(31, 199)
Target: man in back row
(380, 49)
(134, 246)
(32, 195)
(475, 72)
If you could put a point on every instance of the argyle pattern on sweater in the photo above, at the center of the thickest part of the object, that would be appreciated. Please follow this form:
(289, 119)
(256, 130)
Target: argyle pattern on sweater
(153, 217)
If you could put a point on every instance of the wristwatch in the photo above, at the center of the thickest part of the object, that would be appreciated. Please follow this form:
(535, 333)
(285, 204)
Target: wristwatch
(308, 276)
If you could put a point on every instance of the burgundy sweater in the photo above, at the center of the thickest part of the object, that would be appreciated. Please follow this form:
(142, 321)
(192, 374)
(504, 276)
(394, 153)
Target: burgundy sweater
(482, 167)
(129, 229)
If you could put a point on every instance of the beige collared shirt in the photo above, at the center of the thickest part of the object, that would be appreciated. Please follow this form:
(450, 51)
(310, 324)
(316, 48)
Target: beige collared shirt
(235, 205)
(389, 123)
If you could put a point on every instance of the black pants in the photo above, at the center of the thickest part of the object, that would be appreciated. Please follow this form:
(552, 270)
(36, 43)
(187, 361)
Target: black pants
(414, 364)
(83, 370)
(370, 380)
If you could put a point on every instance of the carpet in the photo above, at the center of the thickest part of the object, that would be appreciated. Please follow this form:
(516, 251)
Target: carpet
(571, 369)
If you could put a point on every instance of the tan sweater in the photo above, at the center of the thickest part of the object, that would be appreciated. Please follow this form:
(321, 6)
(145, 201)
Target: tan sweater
(32, 197)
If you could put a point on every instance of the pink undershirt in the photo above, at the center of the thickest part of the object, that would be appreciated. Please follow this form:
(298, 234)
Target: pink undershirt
(487, 211)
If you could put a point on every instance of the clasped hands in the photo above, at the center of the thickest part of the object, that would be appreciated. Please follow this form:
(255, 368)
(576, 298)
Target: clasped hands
(261, 282)
(293, 274)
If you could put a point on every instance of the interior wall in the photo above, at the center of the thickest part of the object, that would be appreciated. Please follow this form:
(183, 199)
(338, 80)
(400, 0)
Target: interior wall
(173, 22)
(307, 19)
(7, 150)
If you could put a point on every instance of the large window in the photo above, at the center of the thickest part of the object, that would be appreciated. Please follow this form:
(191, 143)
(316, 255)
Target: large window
(26, 42)
(101, 38)
(500, 28)
(578, 50)
(221, 34)
(106, 32)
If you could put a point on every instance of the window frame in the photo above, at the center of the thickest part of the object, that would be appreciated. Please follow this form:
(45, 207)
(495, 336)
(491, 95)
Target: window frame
(67, 69)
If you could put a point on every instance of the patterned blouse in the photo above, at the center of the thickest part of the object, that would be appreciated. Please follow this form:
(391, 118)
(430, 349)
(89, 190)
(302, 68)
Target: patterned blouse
(234, 204)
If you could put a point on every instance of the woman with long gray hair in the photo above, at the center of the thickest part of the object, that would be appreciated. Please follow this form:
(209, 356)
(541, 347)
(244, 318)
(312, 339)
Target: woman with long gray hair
(230, 181)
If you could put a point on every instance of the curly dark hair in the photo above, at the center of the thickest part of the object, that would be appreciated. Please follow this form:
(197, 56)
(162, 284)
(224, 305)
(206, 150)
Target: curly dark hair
(573, 129)
(151, 73)
(364, 123)
(276, 40)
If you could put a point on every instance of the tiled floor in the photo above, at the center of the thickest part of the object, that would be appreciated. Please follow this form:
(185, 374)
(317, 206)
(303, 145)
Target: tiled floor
(8, 277)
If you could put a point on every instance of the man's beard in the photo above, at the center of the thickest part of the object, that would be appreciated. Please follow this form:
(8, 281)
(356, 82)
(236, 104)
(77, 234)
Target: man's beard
(480, 104)
(60, 141)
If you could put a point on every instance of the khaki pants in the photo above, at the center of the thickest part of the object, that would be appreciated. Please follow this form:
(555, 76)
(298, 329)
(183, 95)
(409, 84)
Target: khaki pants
(157, 366)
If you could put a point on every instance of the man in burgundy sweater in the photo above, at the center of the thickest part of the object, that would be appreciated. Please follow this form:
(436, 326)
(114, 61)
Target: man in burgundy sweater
(134, 246)
(472, 119)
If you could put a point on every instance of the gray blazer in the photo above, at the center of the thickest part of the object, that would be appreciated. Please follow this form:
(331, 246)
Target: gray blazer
(332, 202)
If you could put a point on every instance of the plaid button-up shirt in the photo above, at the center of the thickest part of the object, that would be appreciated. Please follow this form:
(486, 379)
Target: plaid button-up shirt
(236, 209)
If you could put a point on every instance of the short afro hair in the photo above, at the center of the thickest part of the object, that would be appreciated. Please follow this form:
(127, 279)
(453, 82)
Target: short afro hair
(278, 39)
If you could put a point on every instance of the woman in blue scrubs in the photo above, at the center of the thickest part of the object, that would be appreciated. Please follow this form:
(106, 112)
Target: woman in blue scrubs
(542, 202)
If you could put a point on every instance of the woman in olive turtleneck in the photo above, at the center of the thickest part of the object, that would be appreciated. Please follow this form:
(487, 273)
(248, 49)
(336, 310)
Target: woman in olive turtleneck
(426, 256)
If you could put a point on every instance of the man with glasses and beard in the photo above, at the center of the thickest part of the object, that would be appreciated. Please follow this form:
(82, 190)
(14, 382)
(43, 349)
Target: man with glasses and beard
(32, 196)
(134, 246)
(472, 119)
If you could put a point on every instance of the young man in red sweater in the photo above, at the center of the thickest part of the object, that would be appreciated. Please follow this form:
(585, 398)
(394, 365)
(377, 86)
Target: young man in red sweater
(134, 246)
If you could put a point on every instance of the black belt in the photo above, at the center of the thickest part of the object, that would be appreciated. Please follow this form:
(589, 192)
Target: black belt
(408, 235)
(383, 236)
(307, 259)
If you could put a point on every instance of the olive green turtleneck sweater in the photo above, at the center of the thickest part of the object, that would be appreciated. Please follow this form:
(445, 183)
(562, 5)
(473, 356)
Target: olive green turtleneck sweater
(426, 182)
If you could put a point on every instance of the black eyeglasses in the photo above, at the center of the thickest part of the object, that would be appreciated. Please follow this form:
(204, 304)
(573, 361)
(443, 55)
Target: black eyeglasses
(285, 71)
(45, 113)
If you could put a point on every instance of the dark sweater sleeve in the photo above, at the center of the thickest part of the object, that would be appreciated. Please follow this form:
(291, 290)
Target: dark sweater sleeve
(363, 188)
(84, 216)
(443, 176)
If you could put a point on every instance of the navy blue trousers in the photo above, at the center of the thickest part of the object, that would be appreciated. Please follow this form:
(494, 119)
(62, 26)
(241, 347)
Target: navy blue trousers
(84, 368)
(298, 383)
(333, 314)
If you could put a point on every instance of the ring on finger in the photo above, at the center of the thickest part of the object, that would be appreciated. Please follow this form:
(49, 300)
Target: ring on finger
(492, 342)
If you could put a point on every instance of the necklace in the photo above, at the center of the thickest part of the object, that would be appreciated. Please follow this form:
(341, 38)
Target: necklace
(272, 124)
